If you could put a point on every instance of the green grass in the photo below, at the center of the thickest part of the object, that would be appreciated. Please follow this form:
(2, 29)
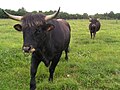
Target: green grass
(93, 64)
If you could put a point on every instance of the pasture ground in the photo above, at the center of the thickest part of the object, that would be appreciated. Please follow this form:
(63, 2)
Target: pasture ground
(93, 64)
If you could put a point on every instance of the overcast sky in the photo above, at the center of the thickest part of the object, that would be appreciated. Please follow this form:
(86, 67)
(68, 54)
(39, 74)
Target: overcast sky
(70, 6)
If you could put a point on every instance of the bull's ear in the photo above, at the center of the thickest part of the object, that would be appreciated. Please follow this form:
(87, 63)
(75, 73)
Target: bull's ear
(18, 27)
(49, 27)
(90, 19)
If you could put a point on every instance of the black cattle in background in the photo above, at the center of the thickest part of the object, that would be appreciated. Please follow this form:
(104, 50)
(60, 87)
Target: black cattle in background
(46, 38)
(94, 26)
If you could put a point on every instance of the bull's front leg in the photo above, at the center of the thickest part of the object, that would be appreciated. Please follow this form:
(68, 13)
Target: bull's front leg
(53, 65)
(91, 34)
(34, 65)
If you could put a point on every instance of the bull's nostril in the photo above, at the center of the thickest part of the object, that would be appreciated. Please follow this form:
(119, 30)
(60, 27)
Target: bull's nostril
(29, 48)
(26, 49)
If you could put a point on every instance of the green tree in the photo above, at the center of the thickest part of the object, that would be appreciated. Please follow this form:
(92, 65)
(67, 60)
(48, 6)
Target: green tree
(111, 15)
(85, 16)
(21, 11)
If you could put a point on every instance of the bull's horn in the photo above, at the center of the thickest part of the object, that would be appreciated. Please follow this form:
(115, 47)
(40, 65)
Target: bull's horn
(48, 17)
(90, 19)
(17, 18)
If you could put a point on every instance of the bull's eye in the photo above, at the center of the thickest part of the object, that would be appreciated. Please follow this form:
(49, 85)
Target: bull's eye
(38, 31)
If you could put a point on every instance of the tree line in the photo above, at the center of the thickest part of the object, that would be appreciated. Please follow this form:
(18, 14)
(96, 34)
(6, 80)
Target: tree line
(64, 15)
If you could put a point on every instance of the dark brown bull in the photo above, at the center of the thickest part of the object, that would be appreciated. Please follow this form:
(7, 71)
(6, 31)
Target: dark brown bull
(45, 38)
(94, 26)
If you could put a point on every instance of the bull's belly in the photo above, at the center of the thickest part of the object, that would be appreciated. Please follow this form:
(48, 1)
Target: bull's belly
(92, 31)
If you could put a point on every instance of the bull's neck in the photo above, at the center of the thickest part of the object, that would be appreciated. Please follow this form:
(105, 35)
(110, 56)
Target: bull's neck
(46, 49)
(47, 42)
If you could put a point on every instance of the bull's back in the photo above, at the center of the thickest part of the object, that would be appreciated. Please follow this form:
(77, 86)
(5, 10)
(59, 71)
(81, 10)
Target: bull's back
(98, 26)
(61, 33)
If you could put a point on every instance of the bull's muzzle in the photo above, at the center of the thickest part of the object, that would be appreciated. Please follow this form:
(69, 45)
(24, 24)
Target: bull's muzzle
(93, 25)
(28, 49)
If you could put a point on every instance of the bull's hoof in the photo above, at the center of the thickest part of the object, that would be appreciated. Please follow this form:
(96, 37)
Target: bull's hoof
(32, 87)
(66, 58)
(50, 79)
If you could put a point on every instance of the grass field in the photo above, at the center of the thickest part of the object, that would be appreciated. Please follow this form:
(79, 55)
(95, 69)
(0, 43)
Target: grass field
(93, 64)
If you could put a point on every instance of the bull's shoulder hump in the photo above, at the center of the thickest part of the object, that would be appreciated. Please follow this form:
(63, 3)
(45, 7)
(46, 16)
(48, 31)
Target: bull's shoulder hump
(59, 19)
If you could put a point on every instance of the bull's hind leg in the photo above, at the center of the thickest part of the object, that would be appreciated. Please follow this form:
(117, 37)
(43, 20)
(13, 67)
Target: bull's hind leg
(66, 53)
(53, 65)
(94, 35)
